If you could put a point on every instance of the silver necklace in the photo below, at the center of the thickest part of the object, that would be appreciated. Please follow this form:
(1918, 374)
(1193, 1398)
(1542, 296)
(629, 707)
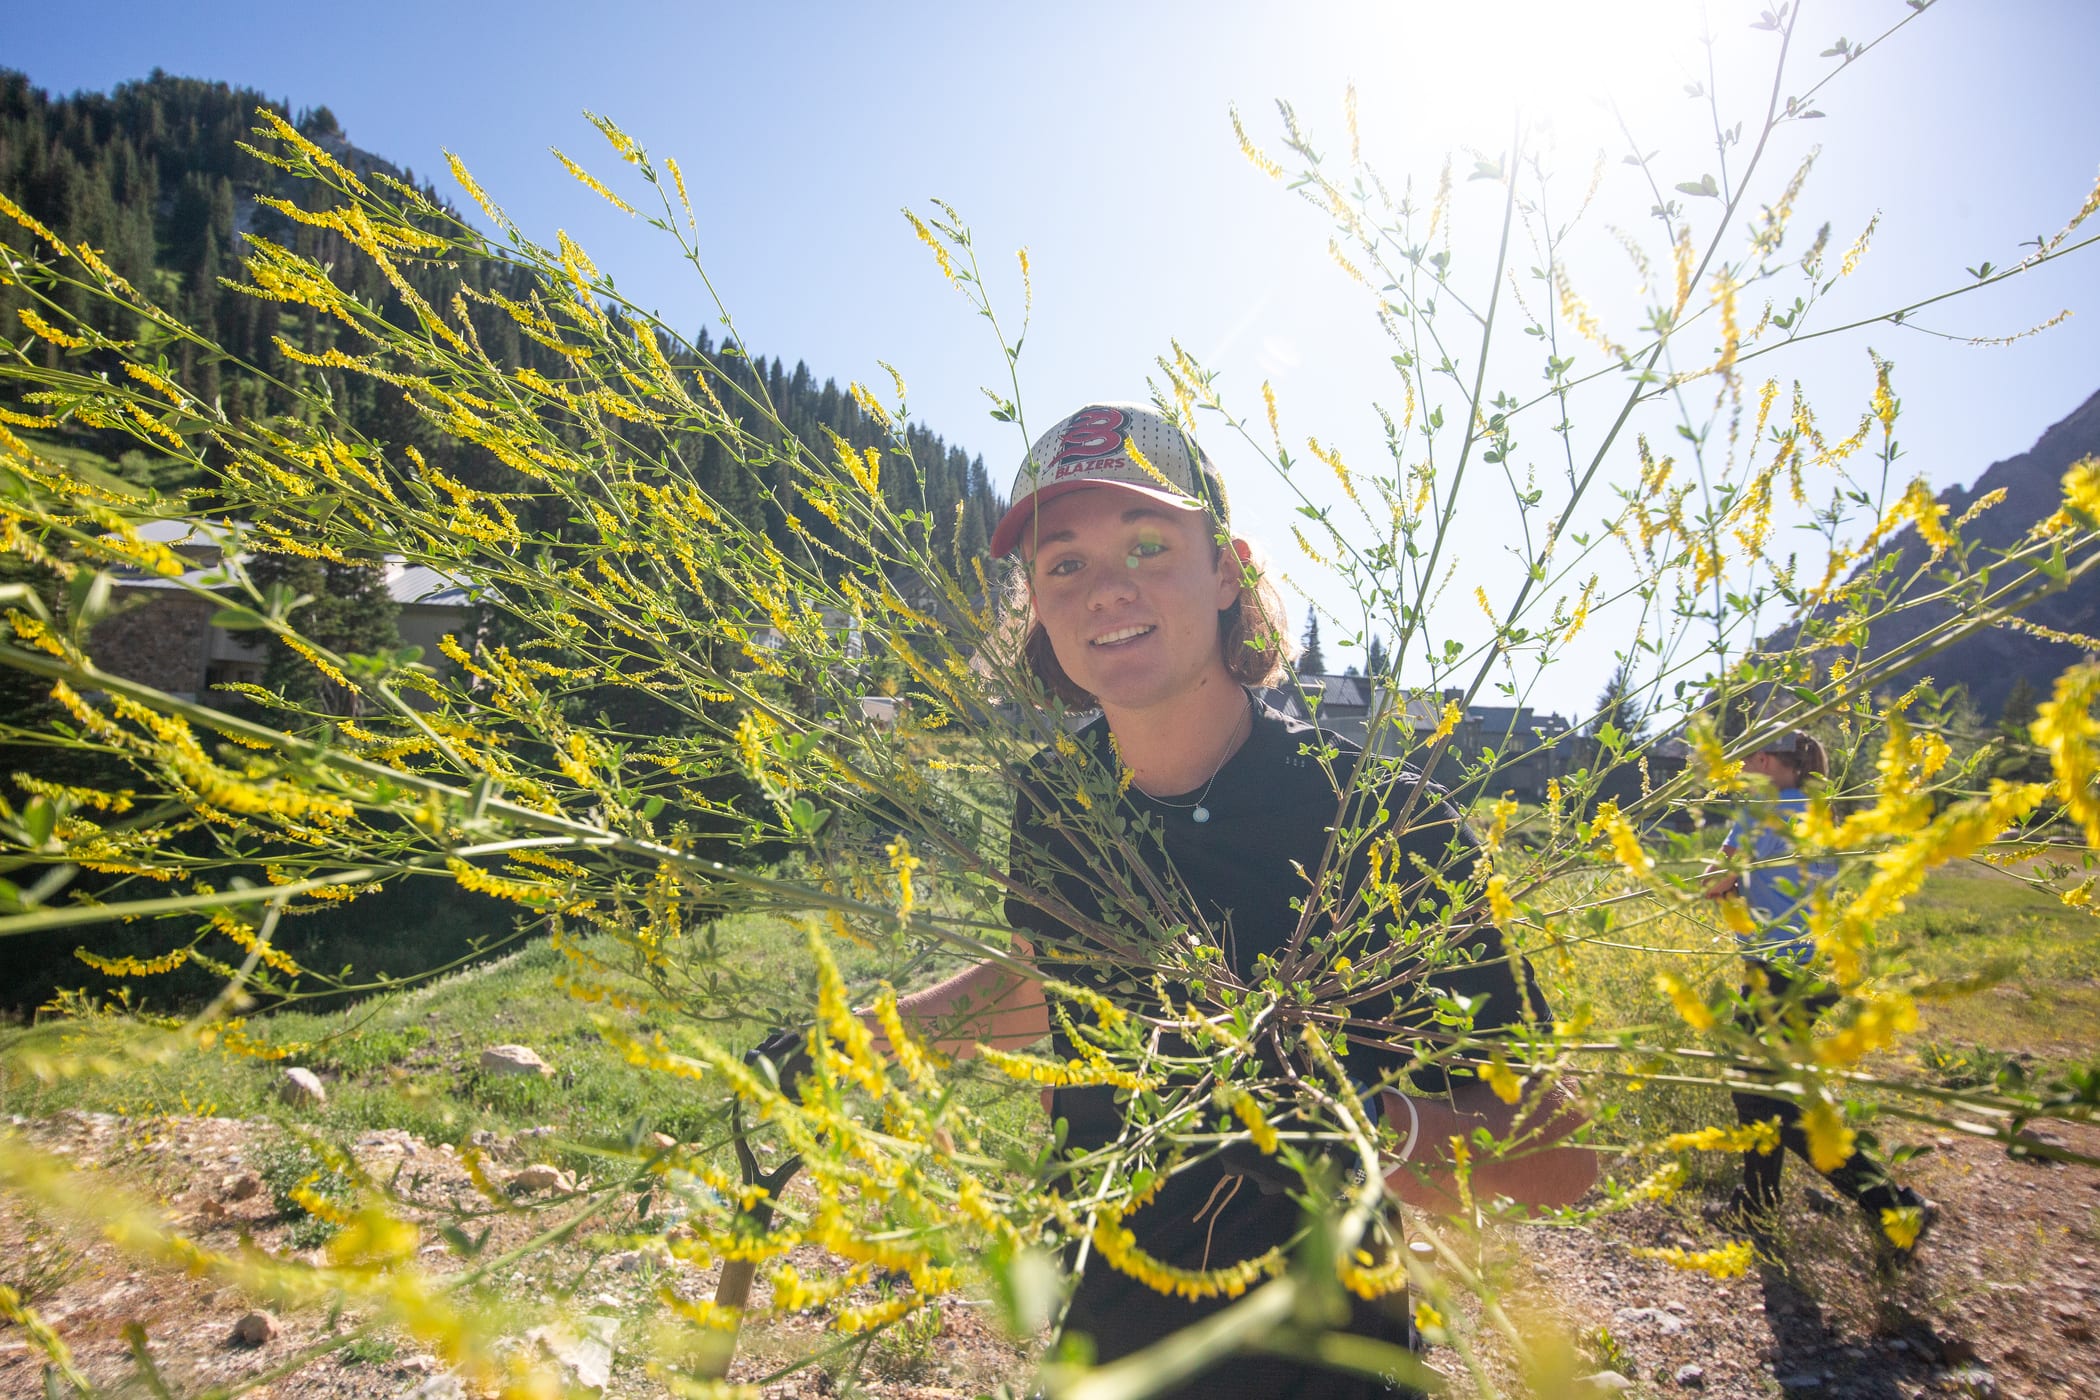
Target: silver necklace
(1196, 810)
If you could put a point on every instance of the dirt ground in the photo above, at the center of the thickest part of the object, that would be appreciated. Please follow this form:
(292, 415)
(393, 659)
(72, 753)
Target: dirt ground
(2003, 1300)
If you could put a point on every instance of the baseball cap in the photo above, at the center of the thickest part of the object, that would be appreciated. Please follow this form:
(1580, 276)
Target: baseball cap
(1111, 444)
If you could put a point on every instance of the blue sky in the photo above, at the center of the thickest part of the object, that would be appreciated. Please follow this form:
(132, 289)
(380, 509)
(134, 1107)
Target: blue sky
(1097, 136)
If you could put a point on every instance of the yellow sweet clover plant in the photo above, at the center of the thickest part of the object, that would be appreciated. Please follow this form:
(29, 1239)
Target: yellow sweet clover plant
(752, 643)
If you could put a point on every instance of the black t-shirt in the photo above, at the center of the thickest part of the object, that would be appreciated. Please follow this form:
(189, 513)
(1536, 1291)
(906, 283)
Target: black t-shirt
(1233, 880)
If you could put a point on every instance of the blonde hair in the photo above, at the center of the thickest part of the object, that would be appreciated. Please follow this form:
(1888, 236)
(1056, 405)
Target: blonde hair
(1252, 633)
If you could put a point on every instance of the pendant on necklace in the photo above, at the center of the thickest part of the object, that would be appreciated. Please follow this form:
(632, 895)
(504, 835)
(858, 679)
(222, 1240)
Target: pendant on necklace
(1201, 814)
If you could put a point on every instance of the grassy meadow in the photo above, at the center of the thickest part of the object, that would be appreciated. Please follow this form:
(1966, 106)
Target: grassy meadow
(409, 1059)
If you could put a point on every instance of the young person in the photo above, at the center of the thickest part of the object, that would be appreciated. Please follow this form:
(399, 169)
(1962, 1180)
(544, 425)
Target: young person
(1142, 604)
(1779, 888)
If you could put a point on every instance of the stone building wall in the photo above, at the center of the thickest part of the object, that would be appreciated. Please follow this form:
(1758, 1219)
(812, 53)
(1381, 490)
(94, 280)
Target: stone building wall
(158, 638)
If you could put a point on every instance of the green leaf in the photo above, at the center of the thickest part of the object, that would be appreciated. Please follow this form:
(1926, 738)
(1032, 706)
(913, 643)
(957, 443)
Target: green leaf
(1703, 187)
(89, 597)
(39, 819)
(238, 620)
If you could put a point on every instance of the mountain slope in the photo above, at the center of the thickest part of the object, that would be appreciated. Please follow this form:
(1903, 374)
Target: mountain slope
(1990, 662)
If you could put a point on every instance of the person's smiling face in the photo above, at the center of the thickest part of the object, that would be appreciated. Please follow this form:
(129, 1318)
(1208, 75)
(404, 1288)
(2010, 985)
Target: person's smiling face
(1129, 592)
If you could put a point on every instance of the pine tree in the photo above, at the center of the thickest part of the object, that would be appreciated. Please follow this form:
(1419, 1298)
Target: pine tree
(1619, 707)
(2019, 760)
(1310, 661)
(1377, 660)
(2021, 706)
(352, 612)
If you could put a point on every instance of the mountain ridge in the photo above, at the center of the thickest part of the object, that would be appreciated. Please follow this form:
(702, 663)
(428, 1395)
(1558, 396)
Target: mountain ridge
(1989, 663)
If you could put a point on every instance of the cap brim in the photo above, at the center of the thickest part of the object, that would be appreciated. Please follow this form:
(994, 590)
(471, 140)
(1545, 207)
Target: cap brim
(1014, 525)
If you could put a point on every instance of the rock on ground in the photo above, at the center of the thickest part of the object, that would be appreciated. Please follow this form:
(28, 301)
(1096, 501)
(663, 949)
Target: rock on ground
(541, 1176)
(585, 1358)
(255, 1329)
(514, 1059)
(302, 1086)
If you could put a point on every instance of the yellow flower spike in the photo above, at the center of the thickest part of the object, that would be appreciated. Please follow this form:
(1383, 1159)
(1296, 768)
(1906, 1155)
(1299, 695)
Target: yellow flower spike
(2081, 494)
(1625, 841)
(292, 137)
(1118, 1246)
(46, 331)
(1582, 611)
(1924, 510)
(45, 1338)
(133, 967)
(1720, 772)
(1259, 1130)
(1073, 1073)
(1761, 1137)
(1501, 908)
(1462, 1171)
(591, 182)
(874, 1315)
(1930, 753)
(792, 1293)
(374, 1239)
(702, 1312)
(1879, 1022)
(1579, 314)
(1681, 256)
(1659, 1185)
(1253, 153)
(904, 1046)
(1725, 290)
(1448, 721)
(1427, 1318)
(1502, 1079)
(840, 1030)
(1726, 1262)
(529, 892)
(903, 863)
(1689, 1005)
(1858, 249)
(1106, 1012)
(940, 251)
(2064, 726)
(1328, 454)
(1829, 1139)
(1901, 1224)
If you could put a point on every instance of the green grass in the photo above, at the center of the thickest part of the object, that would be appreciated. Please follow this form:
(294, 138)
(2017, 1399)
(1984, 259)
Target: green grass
(2040, 957)
(2024, 970)
(410, 1060)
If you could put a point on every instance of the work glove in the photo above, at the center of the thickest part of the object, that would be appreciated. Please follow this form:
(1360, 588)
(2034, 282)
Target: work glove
(783, 1057)
(1272, 1173)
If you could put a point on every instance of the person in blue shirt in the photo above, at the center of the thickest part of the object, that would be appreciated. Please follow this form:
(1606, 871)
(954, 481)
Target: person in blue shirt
(1780, 891)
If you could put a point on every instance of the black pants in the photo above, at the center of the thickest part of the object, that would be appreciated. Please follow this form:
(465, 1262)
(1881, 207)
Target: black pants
(1204, 1218)
(1793, 993)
